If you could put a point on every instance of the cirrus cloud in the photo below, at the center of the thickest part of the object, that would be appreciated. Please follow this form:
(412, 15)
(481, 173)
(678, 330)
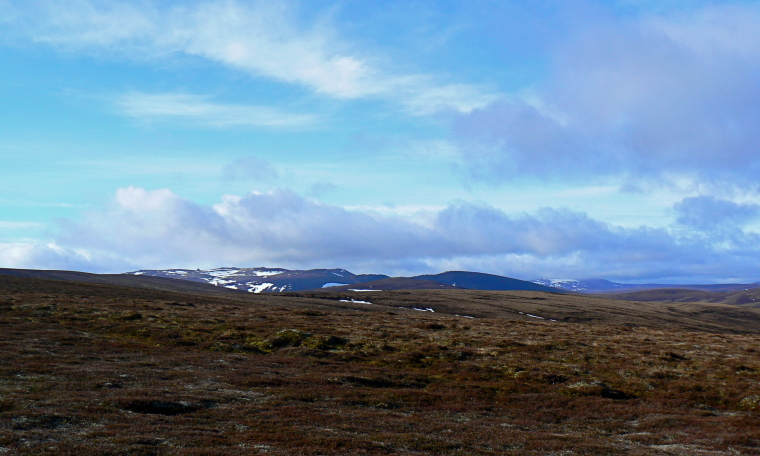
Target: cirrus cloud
(260, 38)
(198, 110)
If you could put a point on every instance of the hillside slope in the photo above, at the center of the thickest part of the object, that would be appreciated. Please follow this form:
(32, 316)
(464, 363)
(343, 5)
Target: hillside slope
(148, 282)
(481, 281)
(744, 298)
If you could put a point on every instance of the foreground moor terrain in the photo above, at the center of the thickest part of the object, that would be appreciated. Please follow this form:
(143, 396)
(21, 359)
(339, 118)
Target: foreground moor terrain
(113, 370)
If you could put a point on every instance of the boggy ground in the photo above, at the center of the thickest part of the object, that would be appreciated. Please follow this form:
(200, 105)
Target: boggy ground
(94, 369)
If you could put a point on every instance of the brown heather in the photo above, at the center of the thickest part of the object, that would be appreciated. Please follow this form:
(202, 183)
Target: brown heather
(106, 370)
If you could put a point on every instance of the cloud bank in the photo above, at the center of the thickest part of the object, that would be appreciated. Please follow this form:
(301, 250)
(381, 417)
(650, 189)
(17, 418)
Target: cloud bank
(160, 229)
(644, 98)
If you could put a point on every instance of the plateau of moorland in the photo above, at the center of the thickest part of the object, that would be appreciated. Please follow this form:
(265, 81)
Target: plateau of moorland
(125, 364)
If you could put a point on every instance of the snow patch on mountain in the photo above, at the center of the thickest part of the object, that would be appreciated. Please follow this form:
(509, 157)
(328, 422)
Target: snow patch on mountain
(584, 285)
(564, 284)
(258, 288)
(261, 280)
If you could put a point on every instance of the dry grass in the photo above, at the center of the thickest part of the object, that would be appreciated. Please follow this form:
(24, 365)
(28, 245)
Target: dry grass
(745, 298)
(89, 369)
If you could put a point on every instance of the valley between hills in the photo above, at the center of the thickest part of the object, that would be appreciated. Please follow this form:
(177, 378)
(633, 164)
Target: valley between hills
(157, 366)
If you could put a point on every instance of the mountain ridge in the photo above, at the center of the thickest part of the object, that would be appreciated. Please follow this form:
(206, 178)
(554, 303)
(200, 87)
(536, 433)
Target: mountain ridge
(482, 281)
(606, 286)
(268, 280)
(263, 279)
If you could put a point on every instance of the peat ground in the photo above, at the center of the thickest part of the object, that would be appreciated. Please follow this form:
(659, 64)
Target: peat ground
(101, 369)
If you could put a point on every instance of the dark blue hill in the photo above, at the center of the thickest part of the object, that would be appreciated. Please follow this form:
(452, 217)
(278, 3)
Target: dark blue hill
(481, 281)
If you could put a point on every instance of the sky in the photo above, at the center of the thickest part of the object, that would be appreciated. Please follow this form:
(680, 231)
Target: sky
(615, 139)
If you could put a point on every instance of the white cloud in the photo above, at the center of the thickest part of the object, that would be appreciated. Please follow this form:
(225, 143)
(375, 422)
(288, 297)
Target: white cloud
(159, 229)
(452, 97)
(263, 39)
(16, 255)
(649, 97)
(53, 256)
(198, 110)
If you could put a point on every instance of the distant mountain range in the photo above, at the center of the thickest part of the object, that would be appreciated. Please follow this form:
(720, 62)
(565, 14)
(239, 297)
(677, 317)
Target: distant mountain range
(605, 286)
(258, 280)
(277, 280)
(269, 280)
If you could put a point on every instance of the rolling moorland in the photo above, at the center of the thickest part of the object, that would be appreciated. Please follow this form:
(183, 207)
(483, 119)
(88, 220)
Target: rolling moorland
(148, 367)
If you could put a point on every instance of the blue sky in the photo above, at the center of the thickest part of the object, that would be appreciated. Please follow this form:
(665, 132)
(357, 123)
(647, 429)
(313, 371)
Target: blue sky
(559, 139)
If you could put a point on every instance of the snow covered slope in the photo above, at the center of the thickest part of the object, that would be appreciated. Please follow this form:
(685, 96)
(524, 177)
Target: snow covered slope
(258, 280)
